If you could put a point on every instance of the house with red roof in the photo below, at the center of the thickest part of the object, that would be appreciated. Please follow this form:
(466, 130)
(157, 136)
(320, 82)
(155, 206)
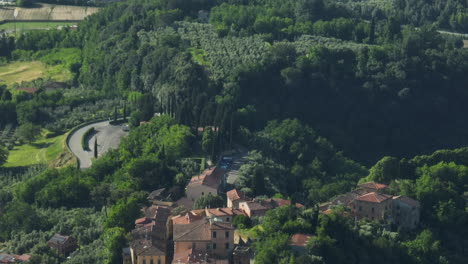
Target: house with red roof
(298, 242)
(253, 209)
(373, 205)
(208, 182)
(6, 258)
(234, 197)
(209, 236)
(225, 214)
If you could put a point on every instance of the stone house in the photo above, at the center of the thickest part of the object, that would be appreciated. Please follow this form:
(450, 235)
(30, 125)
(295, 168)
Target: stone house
(151, 236)
(143, 251)
(405, 212)
(63, 244)
(208, 235)
(253, 209)
(225, 214)
(375, 206)
(234, 197)
(208, 182)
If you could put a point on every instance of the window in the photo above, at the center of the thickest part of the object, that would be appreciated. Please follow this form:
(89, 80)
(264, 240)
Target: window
(151, 261)
(226, 245)
(372, 209)
(144, 261)
(214, 234)
(207, 246)
(360, 208)
(159, 261)
(227, 219)
(214, 245)
(226, 234)
(202, 193)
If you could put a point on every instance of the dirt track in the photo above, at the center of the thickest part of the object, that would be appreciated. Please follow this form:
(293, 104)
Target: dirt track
(47, 12)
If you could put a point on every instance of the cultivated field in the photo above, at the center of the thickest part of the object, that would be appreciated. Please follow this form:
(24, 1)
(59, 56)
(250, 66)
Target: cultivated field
(465, 43)
(48, 12)
(31, 70)
(43, 150)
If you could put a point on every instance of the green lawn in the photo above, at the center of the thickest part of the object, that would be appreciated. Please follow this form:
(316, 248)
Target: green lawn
(43, 150)
(31, 70)
(23, 26)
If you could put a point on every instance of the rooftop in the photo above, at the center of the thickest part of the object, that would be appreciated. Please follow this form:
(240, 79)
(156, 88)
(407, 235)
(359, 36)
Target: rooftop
(199, 230)
(59, 239)
(224, 212)
(373, 197)
(373, 185)
(143, 247)
(407, 200)
(210, 177)
(253, 206)
(299, 239)
(234, 195)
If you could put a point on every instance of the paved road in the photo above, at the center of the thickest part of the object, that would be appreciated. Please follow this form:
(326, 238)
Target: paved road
(108, 137)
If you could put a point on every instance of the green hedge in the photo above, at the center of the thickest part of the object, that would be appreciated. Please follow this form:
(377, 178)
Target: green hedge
(83, 139)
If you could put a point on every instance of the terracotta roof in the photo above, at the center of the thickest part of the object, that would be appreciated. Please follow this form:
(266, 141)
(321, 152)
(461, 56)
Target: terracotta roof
(373, 185)
(254, 206)
(198, 211)
(299, 239)
(28, 89)
(196, 257)
(234, 195)
(328, 211)
(224, 212)
(199, 230)
(373, 197)
(23, 257)
(210, 177)
(407, 200)
(186, 219)
(143, 220)
(143, 247)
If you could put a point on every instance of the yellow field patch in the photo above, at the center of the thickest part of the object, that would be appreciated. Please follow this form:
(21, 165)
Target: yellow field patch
(31, 70)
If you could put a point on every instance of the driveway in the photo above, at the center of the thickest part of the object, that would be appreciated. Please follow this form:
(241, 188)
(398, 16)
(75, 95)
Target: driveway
(108, 137)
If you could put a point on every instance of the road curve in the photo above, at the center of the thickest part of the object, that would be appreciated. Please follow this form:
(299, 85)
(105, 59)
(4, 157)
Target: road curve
(108, 137)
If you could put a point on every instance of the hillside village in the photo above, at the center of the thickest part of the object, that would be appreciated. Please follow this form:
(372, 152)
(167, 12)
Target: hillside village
(209, 235)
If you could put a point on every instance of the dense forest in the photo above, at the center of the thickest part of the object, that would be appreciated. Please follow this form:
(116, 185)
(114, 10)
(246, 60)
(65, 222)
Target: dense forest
(324, 93)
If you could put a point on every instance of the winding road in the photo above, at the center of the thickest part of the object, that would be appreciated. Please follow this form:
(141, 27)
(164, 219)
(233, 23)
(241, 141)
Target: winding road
(108, 137)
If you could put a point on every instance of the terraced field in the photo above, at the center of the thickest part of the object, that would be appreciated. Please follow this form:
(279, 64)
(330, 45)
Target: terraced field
(47, 12)
(31, 70)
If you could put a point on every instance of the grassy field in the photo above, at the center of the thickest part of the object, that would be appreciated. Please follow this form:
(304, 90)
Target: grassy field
(31, 70)
(43, 150)
(24, 26)
(465, 43)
